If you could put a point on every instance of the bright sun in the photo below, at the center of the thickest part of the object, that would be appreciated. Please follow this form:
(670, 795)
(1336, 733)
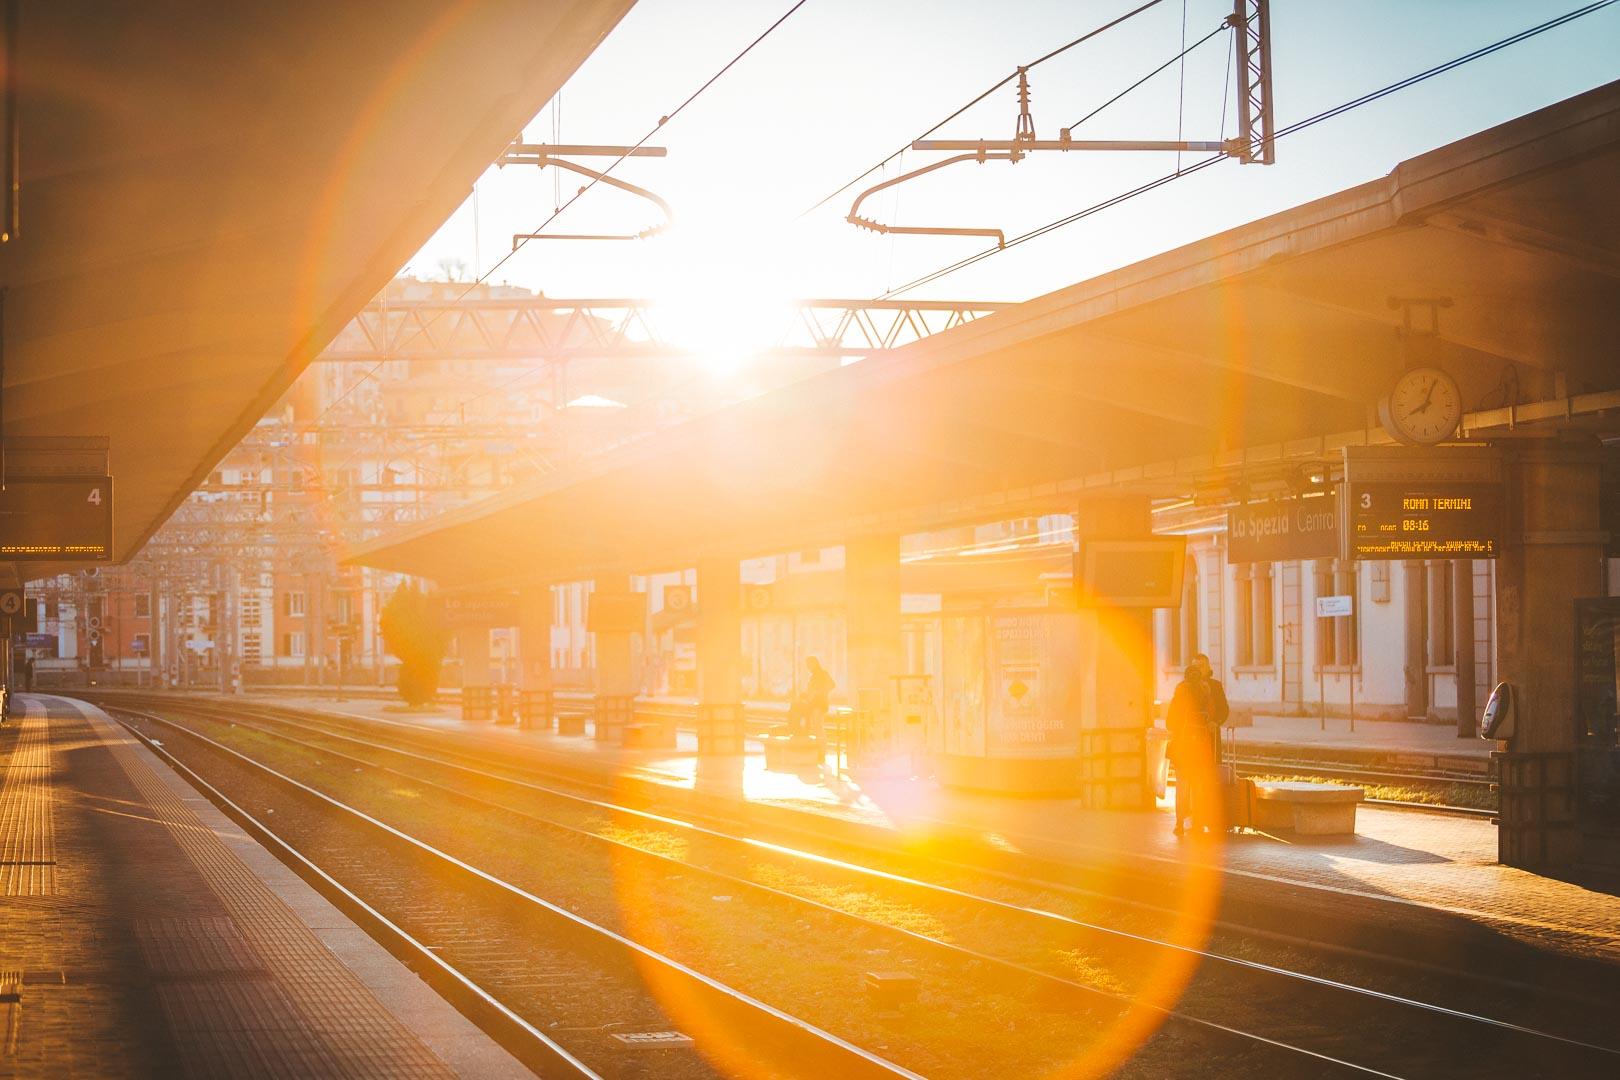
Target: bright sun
(721, 298)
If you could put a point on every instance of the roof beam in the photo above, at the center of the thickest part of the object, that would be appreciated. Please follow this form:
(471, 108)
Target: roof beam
(1272, 366)
(1507, 232)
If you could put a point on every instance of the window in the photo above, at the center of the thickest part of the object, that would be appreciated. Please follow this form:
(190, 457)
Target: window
(292, 643)
(1442, 652)
(143, 605)
(141, 644)
(1337, 638)
(292, 603)
(1253, 624)
(1184, 643)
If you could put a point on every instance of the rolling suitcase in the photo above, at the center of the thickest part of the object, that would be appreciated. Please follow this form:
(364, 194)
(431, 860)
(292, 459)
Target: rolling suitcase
(1237, 792)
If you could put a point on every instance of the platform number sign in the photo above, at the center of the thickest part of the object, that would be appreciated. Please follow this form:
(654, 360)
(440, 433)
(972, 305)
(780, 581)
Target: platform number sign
(11, 602)
(57, 519)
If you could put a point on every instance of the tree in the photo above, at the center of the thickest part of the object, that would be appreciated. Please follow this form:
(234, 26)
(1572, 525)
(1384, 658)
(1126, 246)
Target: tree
(413, 627)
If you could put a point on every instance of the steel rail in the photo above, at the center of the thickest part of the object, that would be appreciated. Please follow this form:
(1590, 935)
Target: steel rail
(834, 1053)
(529, 1044)
(957, 894)
(733, 881)
(558, 767)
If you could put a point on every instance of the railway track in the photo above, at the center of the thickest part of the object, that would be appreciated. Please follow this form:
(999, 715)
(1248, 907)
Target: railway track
(584, 971)
(765, 718)
(1227, 977)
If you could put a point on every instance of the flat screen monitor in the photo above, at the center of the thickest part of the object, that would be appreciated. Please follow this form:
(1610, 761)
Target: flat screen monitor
(616, 613)
(1130, 573)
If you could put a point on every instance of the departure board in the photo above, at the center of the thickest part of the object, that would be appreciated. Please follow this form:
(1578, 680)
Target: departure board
(1424, 520)
(1431, 502)
(56, 519)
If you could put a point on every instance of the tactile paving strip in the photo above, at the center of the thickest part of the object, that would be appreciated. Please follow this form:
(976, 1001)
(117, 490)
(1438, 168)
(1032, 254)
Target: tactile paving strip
(310, 1016)
(27, 820)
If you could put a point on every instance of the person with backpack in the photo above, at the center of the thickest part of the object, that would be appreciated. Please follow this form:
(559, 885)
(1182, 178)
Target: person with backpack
(1192, 750)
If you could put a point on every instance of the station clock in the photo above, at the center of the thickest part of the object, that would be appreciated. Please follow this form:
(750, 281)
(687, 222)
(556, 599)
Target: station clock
(1424, 407)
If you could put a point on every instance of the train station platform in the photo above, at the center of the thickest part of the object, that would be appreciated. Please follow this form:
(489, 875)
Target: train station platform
(1402, 862)
(146, 935)
(1406, 742)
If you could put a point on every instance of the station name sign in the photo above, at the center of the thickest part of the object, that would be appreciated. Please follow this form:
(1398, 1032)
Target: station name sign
(1422, 503)
(480, 609)
(56, 519)
(1283, 529)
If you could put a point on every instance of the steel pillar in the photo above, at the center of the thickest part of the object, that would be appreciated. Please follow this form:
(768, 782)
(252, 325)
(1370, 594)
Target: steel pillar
(719, 655)
(615, 669)
(534, 652)
(1116, 650)
(1553, 554)
(872, 621)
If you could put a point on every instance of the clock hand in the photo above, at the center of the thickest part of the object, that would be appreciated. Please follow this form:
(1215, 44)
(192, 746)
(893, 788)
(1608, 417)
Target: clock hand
(1428, 396)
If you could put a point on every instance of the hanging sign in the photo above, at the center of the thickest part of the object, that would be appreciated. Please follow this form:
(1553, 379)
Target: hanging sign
(480, 609)
(1421, 503)
(56, 519)
(616, 613)
(1283, 530)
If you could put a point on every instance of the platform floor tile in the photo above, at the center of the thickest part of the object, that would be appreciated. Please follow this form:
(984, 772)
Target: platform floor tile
(151, 949)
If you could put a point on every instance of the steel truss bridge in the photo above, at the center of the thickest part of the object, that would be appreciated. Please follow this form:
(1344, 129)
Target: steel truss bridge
(543, 328)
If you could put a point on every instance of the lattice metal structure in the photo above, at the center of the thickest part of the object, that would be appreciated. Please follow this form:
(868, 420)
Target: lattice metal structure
(542, 328)
(1252, 20)
(459, 400)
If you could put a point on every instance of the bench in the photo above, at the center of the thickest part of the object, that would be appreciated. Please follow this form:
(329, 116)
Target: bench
(787, 753)
(648, 735)
(1306, 808)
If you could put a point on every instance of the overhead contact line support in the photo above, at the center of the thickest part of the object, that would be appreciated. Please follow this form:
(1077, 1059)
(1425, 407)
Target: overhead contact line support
(541, 155)
(1253, 144)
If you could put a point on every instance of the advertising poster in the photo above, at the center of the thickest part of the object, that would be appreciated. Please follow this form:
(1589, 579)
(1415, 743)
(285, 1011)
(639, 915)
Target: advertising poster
(1034, 693)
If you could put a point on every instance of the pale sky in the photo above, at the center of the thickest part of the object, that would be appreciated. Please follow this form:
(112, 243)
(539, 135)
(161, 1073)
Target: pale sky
(844, 82)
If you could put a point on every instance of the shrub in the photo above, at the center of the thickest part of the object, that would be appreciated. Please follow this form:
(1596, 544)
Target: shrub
(414, 631)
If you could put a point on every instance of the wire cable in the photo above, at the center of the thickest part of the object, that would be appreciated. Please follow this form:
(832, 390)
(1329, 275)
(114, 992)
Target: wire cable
(558, 211)
(1060, 50)
(1181, 56)
(1297, 126)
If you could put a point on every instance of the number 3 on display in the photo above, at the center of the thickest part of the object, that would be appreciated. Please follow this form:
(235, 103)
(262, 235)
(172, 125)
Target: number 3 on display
(1366, 501)
(94, 498)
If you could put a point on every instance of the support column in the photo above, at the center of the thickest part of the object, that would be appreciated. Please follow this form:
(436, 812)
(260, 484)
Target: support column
(615, 669)
(872, 636)
(472, 646)
(1553, 554)
(1462, 646)
(1414, 576)
(719, 657)
(157, 645)
(1116, 654)
(535, 706)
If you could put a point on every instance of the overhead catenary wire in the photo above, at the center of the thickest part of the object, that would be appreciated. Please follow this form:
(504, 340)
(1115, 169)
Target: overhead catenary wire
(559, 211)
(1179, 57)
(1059, 51)
(1297, 126)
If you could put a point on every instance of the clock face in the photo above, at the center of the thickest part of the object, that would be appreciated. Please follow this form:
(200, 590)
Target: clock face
(1424, 407)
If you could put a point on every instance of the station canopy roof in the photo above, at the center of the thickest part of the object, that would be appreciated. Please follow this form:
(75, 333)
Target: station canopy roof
(1273, 339)
(210, 191)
